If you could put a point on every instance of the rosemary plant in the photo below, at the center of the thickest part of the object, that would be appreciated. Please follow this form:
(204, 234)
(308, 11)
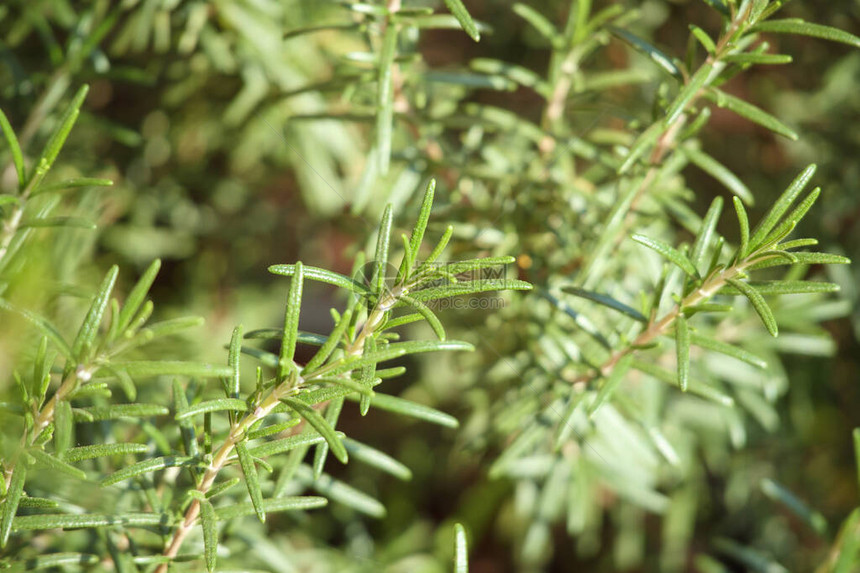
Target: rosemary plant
(622, 416)
(291, 408)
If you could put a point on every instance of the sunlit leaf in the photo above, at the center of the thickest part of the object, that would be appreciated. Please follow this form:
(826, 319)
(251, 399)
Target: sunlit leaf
(291, 321)
(656, 55)
(461, 551)
(14, 148)
(758, 303)
(10, 503)
(272, 506)
(801, 28)
(669, 252)
(320, 425)
(682, 346)
(252, 480)
(606, 301)
(413, 410)
(462, 15)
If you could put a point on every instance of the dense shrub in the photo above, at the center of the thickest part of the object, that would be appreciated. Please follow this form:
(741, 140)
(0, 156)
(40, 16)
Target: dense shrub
(672, 389)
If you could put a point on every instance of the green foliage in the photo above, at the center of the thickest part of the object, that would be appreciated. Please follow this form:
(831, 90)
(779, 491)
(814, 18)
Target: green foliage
(595, 418)
(357, 344)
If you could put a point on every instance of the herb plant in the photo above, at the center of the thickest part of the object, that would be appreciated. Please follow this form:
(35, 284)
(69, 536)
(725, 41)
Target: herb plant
(620, 416)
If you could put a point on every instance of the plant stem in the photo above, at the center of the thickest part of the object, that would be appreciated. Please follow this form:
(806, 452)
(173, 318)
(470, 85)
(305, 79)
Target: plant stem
(238, 430)
(665, 143)
(659, 327)
(43, 418)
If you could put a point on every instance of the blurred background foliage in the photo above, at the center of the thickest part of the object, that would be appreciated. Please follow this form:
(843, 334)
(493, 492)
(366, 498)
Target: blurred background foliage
(239, 135)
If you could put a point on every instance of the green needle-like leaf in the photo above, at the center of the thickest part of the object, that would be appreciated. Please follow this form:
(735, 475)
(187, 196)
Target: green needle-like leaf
(340, 492)
(262, 432)
(385, 98)
(777, 287)
(55, 464)
(474, 287)
(149, 369)
(758, 303)
(606, 301)
(210, 533)
(413, 410)
(379, 460)
(751, 112)
(89, 329)
(461, 550)
(14, 148)
(331, 343)
(727, 349)
(706, 233)
(539, 22)
(272, 506)
(137, 296)
(64, 426)
(217, 490)
(744, 225)
(10, 503)
(332, 413)
(216, 405)
(427, 315)
(396, 350)
(380, 261)
(815, 520)
(44, 326)
(721, 173)
(682, 349)
(703, 39)
(320, 425)
(348, 383)
(89, 520)
(148, 466)
(462, 15)
(793, 218)
(471, 266)
(186, 427)
(68, 222)
(758, 59)
(102, 450)
(71, 184)
(657, 56)
(366, 375)
(688, 93)
(641, 146)
(112, 412)
(800, 258)
(611, 383)
(286, 444)
(856, 436)
(55, 560)
(798, 26)
(233, 361)
(417, 236)
(439, 248)
(252, 481)
(291, 322)
(58, 138)
(321, 275)
(782, 204)
(37, 502)
(669, 252)
(401, 320)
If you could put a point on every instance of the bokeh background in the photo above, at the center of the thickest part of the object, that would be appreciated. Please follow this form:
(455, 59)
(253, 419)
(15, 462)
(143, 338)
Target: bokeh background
(233, 147)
